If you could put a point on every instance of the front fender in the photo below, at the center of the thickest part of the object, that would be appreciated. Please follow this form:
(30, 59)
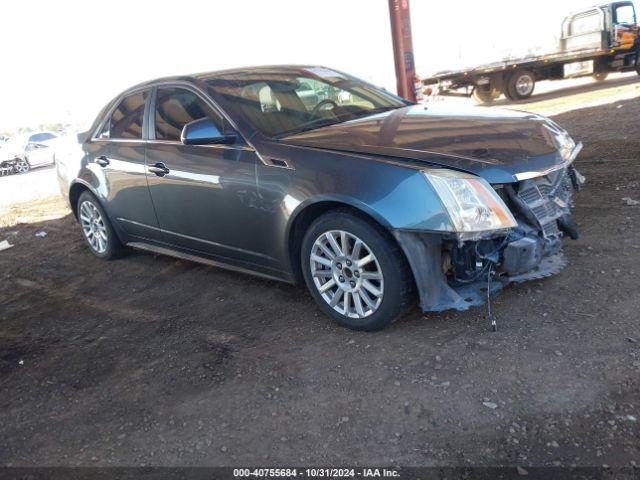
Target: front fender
(394, 194)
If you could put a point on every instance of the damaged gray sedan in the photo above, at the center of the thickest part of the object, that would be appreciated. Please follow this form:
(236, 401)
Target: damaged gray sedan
(309, 174)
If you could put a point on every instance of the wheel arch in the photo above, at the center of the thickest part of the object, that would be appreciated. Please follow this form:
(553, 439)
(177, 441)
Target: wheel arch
(306, 214)
(75, 190)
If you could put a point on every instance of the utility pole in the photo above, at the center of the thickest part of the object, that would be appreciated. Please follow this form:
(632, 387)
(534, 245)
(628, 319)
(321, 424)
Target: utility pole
(403, 48)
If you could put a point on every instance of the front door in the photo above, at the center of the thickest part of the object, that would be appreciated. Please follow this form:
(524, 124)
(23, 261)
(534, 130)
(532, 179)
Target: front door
(625, 26)
(205, 197)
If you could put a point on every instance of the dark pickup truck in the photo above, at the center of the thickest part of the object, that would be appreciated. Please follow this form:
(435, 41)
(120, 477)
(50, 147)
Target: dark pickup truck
(596, 41)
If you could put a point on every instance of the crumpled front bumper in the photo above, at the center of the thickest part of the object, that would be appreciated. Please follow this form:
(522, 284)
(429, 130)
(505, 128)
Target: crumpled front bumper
(455, 273)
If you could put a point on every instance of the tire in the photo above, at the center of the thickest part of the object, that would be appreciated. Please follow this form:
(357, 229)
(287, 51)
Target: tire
(600, 76)
(377, 292)
(482, 97)
(521, 85)
(21, 165)
(96, 228)
(508, 96)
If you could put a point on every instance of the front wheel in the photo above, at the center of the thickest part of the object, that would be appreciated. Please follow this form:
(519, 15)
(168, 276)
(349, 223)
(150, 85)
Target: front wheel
(21, 165)
(355, 272)
(96, 228)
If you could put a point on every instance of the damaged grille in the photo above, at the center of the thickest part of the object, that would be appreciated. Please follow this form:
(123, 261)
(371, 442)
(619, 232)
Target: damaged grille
(548, 199)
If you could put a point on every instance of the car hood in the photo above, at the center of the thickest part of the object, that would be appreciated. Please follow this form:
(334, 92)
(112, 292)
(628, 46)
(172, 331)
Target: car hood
(494, 144)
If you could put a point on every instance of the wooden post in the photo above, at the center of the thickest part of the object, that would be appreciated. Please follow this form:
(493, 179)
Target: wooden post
(403, 48)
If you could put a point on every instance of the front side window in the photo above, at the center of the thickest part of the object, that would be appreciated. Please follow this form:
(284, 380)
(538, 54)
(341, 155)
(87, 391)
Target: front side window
(175, 107)
(126, 120)
(625, 15)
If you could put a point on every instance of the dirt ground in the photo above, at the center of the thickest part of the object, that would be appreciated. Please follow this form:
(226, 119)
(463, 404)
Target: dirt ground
(154, 361)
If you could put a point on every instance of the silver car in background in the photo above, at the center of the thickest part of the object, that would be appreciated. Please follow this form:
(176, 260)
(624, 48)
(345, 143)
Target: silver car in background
(23, 152)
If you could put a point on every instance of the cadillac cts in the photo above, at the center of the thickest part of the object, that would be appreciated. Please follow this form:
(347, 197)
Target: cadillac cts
(306, 173)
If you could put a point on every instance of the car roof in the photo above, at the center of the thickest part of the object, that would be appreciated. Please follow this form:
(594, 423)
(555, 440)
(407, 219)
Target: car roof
(270, 69)
(232, 72)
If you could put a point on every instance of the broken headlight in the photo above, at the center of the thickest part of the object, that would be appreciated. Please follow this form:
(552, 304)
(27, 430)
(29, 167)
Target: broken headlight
(566, 146)
(472, 204)
(564, 143)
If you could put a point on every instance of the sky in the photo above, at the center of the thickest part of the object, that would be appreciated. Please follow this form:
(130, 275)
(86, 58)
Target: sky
(61, 61)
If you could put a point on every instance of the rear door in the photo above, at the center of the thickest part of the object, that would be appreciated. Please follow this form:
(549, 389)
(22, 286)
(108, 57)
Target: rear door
(206, 202)
(119, 163)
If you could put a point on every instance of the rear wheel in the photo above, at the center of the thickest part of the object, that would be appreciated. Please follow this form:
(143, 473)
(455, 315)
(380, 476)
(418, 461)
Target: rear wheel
(508, 96)
(96, 228)
(600, 76)
(355, 272)
(21, 165)
(521, 85)
(481, 96)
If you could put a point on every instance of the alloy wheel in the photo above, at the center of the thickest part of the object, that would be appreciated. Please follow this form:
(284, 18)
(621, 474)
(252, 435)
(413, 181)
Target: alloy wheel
(21, 166)
(524, 85)
(93, 226)
(347, 274)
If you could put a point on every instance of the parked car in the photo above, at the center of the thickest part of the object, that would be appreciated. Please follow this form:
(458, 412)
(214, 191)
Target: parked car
(368, 202)
(23, 152)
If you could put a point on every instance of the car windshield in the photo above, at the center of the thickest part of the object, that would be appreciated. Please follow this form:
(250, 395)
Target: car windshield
(279, 103)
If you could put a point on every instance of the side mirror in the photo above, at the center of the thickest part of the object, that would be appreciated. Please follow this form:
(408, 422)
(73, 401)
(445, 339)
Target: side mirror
(204, 132)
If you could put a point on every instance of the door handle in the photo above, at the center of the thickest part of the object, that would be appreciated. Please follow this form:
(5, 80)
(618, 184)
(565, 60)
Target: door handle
(102, 161)
(160, 169)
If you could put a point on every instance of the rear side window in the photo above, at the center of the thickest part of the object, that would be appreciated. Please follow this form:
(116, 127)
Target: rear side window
(126, 119)
(175, 107)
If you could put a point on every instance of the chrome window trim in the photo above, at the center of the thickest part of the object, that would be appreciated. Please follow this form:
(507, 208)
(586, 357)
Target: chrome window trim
(213, 145)
(172, 142)
(119, 140)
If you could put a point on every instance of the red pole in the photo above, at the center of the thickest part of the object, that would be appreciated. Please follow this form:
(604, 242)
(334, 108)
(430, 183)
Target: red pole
(403, 48)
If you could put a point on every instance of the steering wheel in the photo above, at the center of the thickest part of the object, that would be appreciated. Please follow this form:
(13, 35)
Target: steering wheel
(317, 108)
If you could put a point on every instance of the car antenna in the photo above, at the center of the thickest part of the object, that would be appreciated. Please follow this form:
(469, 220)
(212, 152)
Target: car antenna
(494, 325)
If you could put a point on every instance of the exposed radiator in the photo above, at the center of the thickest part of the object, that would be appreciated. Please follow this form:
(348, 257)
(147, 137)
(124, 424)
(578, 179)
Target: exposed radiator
(548, 199)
